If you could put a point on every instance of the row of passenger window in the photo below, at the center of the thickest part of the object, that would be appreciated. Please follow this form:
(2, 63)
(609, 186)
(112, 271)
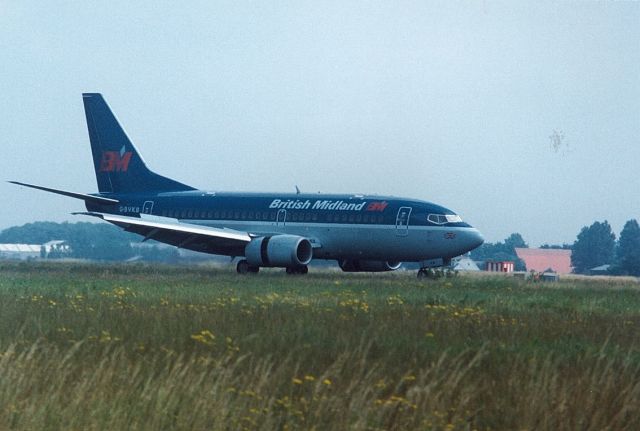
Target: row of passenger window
(291, 216)
(220, 215)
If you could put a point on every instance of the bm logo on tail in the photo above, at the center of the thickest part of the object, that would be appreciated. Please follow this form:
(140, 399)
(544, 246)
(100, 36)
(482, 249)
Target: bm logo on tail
(114, 161)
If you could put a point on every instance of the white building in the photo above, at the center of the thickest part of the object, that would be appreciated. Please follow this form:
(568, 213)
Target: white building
(31, 251)
(465, 263)
(19, 251)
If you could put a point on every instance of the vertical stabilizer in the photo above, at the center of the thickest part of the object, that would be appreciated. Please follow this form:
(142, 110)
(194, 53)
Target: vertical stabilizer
(118, 165)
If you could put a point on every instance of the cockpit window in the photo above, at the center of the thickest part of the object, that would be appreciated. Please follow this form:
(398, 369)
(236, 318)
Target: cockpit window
(444, 218)
(453, 218)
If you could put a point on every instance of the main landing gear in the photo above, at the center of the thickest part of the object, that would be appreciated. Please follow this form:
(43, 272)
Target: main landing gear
(243, 267)
(297, 270)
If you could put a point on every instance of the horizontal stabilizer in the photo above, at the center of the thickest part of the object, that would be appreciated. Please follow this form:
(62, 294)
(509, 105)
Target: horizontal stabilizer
(87, 198)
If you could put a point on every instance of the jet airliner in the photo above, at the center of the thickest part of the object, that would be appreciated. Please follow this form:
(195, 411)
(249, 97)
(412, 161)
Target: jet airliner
(362, 232)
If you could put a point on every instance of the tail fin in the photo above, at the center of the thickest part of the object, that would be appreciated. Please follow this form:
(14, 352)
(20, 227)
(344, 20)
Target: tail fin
(119, 167)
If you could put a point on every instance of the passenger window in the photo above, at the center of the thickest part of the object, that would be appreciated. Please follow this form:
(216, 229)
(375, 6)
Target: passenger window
(189, 213)
(272, 216)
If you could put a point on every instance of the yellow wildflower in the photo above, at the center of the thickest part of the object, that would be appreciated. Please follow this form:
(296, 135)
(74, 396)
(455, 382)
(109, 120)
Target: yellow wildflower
(205, 337)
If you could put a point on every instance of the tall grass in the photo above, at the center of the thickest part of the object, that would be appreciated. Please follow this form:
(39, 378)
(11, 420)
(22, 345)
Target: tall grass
(139, 347)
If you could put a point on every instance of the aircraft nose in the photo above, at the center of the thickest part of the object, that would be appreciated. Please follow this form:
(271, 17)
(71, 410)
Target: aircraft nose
(474, 238)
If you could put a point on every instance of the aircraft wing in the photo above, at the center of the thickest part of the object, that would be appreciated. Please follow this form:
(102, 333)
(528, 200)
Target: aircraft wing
(190, 236)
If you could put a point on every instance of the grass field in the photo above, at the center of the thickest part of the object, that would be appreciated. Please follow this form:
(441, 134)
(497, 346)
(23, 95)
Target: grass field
(140, 347)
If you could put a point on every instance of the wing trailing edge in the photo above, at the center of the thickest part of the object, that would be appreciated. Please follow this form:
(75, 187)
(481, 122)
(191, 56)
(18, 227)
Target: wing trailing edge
(183, 235)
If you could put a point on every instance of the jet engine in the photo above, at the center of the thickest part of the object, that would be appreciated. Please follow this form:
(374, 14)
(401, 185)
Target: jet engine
(349, 265)
(279, 251)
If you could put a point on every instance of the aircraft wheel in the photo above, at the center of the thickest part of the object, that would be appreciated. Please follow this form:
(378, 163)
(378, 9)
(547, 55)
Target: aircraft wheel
(427, 273)
(243, 267)
(297, 270)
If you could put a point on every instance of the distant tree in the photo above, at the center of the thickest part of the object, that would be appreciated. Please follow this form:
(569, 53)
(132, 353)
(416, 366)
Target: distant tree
(54, 252)
(501, 251)
(629, 249)
(594, 246)
(514, 241)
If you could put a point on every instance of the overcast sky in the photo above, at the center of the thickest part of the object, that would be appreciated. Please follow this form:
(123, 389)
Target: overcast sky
(520, 116)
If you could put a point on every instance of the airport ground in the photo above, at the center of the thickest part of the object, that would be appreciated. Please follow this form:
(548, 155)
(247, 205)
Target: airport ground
(87, 346)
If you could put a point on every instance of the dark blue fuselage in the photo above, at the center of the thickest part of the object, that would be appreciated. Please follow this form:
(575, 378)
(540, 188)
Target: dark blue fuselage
(339, 226)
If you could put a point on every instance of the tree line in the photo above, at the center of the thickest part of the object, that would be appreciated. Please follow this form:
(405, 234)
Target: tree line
(595, 245)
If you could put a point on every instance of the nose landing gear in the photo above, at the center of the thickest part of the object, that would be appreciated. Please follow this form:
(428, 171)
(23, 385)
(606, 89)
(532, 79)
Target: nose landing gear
(436, 273)
(436, 268)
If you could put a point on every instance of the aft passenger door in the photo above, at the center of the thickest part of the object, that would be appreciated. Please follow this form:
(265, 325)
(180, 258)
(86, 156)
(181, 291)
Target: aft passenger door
(147, 207)
(402, 221)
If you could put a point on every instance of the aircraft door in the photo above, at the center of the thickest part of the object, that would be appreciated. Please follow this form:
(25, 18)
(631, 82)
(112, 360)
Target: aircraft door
(281, 218)
(147, 207)
(402, 221)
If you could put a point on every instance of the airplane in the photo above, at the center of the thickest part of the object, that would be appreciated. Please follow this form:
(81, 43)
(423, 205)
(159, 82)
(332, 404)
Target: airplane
(364, 233)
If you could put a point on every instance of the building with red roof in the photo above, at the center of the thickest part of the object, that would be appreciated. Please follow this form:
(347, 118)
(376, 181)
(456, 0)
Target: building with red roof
(544, 259)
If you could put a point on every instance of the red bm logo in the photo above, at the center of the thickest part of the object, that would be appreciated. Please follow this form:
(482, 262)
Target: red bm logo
(114, 161)
(377, 206)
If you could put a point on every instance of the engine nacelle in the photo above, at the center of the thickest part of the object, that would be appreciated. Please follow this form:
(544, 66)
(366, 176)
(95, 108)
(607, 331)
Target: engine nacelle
(283, 251)
(349, 265)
